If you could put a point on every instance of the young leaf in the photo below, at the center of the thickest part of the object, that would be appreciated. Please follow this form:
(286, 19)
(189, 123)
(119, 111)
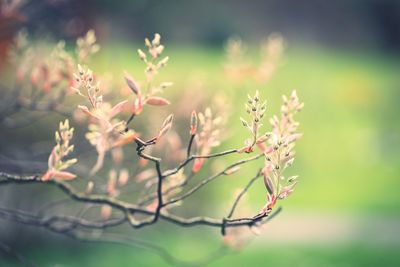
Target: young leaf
(118, 108)
(132, 84)
(193, 123)
(157, 101)
(63, 175)
(166, 125)
(268, 184)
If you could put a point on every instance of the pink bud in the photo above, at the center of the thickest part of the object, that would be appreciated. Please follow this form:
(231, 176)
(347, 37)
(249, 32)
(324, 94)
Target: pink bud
(193, 123)
(118, 108)
(167, 124)
(198, 163)
(138, 105)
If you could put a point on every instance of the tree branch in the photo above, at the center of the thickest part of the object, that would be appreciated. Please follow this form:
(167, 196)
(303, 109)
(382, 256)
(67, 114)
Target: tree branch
(211, 178)
(242, 193)
(125, 207)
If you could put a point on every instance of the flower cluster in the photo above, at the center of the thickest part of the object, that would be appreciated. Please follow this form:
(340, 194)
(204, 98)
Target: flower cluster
(56, 162)
(86, 46)
(106, 131)
(208, 136)
(53, 72)
(155, 50)
(85, 82)
(279, 155)
(153, 66)
(165, 188)
(256, 110)
(238, 68)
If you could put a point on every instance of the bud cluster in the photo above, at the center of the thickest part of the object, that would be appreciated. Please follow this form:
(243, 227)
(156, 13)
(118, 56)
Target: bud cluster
(155, 50)
(280, 154)
(153, 65)
(239, 68)
(56, 163)
(256, 109)
(208, 136)
(86, 46)
(85, 82)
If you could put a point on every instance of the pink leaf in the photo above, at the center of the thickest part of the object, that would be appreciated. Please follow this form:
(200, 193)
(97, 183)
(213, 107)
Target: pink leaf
(167, 124)
(52, 159)
(118, 108)
(125, 139)
(86, 110)
(63, 175)
(157, 101)
(138, 105)
(132, 84)
(268, 184)
(286, 191)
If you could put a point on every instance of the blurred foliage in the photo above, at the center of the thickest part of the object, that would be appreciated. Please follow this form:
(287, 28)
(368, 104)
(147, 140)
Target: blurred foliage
(267, 255)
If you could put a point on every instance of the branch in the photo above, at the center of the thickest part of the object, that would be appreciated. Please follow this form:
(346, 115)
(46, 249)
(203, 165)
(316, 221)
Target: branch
(30, 219)
(192, 136)
(189, 159)
(242, 193)
(139, 149)
(211, 178)
(126, 208)
(54, 220)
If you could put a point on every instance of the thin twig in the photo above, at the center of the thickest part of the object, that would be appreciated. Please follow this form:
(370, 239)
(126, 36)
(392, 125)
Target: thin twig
(211, 178)
(125, 207)
(242, 193)
(193, 157)
(192, 136)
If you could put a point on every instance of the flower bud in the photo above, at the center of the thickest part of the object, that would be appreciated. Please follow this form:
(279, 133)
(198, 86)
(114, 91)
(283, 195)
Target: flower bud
(193, 123)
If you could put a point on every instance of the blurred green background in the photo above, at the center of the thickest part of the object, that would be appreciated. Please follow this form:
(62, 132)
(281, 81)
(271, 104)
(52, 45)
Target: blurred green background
(341, 57)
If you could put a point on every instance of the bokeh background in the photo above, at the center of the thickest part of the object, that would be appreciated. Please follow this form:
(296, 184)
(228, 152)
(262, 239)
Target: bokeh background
(342, 57)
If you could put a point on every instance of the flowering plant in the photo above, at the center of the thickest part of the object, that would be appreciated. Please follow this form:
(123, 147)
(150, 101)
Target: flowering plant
(113, 134)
